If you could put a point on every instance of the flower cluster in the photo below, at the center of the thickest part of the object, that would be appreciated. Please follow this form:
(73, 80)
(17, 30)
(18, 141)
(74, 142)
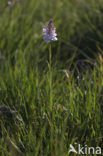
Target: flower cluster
(49, 32)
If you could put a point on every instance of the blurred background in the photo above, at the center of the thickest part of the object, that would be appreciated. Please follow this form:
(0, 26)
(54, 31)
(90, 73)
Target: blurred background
(79, 27)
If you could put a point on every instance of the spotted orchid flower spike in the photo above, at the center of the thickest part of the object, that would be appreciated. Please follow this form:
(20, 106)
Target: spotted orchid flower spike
(49, 32)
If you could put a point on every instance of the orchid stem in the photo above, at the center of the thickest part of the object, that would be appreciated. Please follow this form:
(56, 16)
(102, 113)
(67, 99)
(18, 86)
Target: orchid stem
(50, 76)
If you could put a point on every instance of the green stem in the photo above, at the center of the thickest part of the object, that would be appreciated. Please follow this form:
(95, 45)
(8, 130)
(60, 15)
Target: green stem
(50, 77)
(51, 96)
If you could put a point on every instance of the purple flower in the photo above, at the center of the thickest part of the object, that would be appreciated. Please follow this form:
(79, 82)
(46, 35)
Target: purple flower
(49, 32)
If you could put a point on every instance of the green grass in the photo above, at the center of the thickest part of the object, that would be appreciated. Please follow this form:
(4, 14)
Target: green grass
(56, 92)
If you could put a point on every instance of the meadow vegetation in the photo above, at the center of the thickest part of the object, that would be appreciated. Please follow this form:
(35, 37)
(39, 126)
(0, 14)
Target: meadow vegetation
(46, 107)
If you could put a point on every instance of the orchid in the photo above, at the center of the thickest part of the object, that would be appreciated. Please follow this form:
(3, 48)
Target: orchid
(49, 32)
